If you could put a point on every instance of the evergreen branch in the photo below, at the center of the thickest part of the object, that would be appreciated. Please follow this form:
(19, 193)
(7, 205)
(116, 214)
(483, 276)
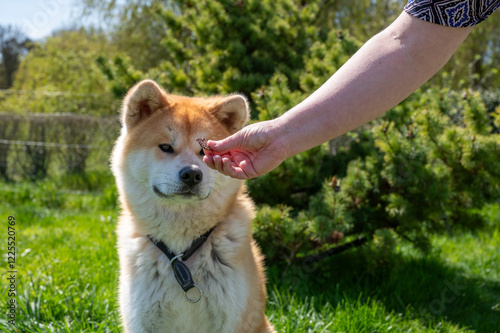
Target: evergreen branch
(335, 250)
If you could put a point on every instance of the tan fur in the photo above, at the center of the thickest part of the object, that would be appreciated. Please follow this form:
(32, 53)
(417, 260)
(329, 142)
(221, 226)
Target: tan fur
(228, 266)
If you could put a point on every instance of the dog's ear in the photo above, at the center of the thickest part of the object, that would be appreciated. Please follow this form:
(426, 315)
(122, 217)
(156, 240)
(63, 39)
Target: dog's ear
(232, 111)
(141, 101)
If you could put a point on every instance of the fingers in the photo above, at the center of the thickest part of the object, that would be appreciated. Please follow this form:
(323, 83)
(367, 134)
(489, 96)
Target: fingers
(209, 161)
(218, 146)
(218, 164)
(225, 165)
(215, 162)
(227, 144)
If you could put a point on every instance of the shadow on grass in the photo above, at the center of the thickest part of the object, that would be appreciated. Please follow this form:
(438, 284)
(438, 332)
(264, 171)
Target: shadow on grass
(425, 286)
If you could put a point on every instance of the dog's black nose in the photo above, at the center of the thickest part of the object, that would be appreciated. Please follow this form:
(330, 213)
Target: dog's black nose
(191, 175)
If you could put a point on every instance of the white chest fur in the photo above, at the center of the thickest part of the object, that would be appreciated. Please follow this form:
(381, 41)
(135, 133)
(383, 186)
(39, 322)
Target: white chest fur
(152, 301)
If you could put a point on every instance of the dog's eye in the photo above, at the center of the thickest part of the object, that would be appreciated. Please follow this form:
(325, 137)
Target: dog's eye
(166, 148)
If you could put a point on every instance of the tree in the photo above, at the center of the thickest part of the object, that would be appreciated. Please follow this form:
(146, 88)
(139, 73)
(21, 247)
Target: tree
(224, 46)
(141, 42)
(476, 62)
(13, 46)
(61, 75)
(361, 18)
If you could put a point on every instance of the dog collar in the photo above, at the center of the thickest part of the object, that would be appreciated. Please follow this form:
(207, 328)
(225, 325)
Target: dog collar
(181, 271)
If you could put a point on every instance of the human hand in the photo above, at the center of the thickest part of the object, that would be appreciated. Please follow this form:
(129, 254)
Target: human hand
(253, 151)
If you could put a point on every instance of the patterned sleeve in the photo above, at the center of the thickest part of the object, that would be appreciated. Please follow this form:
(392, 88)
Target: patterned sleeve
(452, 13)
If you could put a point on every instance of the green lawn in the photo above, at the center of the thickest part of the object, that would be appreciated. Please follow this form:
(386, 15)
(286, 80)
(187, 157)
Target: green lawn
(67, 271)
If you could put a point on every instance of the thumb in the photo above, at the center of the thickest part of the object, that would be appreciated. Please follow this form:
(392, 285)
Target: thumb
(231, 142)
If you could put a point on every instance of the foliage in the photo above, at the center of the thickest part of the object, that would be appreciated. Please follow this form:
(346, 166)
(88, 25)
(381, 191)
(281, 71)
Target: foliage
(426, 167)
(475, 64)
(56, 77)
(141, 42)
(224, 46)
(60, 75)
(301, 176)
(436, 161)
(361, 20)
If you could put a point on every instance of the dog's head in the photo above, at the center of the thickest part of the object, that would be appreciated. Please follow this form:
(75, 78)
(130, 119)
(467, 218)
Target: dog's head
(157, 156)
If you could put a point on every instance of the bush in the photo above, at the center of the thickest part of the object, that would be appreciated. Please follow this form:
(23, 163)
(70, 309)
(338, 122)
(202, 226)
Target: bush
(432, 165)
(425, 167)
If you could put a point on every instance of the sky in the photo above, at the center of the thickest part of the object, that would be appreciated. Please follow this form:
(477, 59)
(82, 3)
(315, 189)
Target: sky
(39, 18)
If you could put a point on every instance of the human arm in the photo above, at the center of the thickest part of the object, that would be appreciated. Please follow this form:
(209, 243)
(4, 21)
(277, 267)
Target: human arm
(386, 70)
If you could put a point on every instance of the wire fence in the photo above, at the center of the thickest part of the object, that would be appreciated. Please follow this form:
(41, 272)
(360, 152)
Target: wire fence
(34, 146)
(48, 93)
(45, 144)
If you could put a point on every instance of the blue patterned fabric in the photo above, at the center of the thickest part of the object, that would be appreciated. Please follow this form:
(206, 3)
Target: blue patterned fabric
(452, 13)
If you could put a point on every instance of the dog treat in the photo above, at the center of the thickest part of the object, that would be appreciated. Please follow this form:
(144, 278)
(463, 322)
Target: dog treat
(203, 143)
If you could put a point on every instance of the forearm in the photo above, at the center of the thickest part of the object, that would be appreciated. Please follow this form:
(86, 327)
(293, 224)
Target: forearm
(386, 70)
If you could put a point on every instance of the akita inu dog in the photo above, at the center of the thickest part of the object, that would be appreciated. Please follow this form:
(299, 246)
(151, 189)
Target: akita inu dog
(188, 262)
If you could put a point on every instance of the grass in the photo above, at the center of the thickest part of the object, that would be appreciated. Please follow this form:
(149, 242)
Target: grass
(67, 274)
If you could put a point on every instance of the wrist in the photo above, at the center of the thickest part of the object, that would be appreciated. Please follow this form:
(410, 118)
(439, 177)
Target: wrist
(279, 133)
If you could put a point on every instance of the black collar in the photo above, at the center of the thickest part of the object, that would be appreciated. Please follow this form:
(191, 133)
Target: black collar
(195, 245)
(181, 272)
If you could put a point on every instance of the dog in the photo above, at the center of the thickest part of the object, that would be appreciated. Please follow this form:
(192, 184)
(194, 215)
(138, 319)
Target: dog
(173, 204)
